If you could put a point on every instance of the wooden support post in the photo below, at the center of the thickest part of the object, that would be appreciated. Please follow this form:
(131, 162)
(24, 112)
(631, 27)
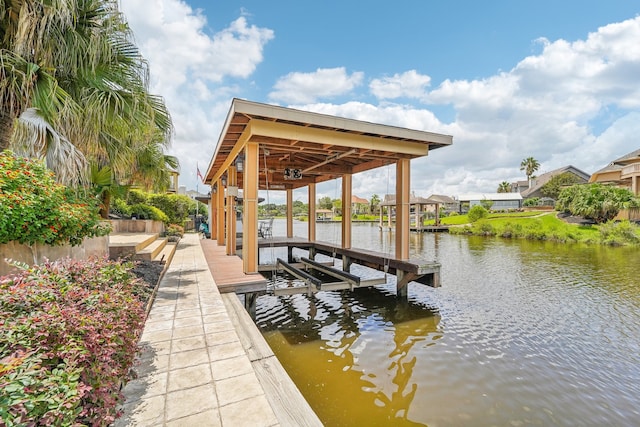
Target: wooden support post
(250, 209)
(312, 253)
(213, 215)
(231, 211)
(402, 285)
(290, 254)
(346, 263)
(403, 185)
(289, 213)
(312, 213)
(221, 216)
(347, 181)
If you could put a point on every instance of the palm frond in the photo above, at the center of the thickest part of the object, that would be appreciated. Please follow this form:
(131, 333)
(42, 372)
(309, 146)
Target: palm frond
(35, 137)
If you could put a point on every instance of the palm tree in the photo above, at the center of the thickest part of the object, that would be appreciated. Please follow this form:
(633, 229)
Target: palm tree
(504, 187)
(73, 85)
(530, 166)
(375, 203)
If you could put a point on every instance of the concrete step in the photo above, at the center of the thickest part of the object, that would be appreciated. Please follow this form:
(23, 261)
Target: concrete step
(128, 244)
(151, 250)
(166, 254)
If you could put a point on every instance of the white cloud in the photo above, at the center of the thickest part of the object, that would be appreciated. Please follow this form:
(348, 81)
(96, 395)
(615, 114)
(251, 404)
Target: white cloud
(409, 84)
(193, 68)
(572, 103)
(548, 106)
(299, 88)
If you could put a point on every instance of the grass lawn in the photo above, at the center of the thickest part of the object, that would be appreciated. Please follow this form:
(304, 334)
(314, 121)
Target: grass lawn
(546, 226)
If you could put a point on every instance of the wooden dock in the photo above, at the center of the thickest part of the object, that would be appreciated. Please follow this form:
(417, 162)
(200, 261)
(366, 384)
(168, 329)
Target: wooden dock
(421, 271)
(227, 270)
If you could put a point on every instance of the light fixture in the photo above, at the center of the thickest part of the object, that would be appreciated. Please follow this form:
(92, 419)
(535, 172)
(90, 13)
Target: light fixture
(223, 180)
(240, 162)
(214, 188)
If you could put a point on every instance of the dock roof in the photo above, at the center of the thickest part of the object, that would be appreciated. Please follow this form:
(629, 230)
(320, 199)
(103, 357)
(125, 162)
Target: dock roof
(320, 147)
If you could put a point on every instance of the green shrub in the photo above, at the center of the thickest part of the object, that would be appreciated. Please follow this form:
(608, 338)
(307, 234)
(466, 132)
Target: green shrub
(69, 336)
(175, 206)
(511, 230)
(618, 233)
(477, 212)
(483, 228)
(141, 211)
(35, 209)
(135, 197)
(120, 207)
(596, 201)
(535, 231)
(175, 230)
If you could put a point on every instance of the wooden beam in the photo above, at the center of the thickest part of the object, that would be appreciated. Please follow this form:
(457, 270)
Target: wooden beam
(250, 209)
(231, 212)
(289, 213)
(330, 138)
(347, 182)
(331, 159)
(213, 215)
(221, 216)
(403, 186)
(312, 211)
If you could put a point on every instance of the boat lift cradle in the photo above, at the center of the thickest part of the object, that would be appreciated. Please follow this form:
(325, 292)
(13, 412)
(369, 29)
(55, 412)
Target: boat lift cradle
(345, 281)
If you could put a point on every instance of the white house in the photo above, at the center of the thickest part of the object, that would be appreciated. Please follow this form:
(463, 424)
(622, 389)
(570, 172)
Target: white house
(501, 201)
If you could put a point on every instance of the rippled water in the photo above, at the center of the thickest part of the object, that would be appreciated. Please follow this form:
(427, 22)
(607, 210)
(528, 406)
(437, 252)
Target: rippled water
(520, 333)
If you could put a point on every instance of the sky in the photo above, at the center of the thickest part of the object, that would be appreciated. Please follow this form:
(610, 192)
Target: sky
(555, 80)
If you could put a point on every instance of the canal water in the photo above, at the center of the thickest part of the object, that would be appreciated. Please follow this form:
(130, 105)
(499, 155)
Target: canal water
(520, 333)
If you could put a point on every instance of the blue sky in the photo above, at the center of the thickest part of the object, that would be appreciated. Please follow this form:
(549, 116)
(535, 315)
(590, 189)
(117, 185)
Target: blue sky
(556, 80)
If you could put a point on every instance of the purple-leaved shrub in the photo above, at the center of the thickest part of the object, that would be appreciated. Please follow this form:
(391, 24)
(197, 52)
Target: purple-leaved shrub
(69, 337)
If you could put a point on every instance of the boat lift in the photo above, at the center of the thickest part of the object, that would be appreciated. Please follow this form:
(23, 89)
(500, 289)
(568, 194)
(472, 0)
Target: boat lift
(313, 284)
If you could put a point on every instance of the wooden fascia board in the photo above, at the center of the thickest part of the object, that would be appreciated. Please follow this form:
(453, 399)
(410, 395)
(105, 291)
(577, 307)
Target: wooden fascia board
(329, 138)
(237, 148)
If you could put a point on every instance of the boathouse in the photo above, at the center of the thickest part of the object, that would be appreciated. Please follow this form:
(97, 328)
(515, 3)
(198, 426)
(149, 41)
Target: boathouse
(272, 148)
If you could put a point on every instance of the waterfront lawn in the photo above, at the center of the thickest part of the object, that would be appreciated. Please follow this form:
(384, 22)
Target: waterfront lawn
(550, 227)
(464, 219)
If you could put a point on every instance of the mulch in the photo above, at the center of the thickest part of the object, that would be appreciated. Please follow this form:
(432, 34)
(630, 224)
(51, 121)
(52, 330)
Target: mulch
(572, 219)
(149, 271)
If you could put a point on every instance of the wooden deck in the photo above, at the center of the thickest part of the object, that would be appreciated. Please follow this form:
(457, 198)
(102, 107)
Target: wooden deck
(227, 271)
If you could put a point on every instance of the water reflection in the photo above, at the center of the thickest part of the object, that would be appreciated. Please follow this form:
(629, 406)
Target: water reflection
(360, 345)
(520, 333)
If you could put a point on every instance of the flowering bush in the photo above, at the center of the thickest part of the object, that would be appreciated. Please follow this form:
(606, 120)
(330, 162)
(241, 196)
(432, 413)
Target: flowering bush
(175, 230)
(34, 209)
(69, 336)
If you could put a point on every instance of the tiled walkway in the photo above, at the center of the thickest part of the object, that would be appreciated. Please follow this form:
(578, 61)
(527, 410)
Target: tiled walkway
(193, 370)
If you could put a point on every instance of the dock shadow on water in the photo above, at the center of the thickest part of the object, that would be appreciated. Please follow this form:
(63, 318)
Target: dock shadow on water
(352, 354)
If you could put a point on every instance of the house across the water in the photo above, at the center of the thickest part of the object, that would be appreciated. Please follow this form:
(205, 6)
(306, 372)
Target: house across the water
(499, 201)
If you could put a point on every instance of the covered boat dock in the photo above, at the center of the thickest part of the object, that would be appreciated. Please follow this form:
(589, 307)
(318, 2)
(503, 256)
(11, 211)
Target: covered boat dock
(272, 148)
